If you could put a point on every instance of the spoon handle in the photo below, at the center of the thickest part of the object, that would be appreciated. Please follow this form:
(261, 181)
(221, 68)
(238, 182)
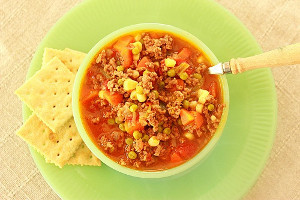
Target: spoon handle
(288, 55)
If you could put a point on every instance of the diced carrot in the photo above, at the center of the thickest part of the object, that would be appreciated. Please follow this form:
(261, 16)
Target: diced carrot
(187, 149)
(123, 42)
(113, 98)
(93, 94)
(143, 62)
(183, 55)
(154, 35)
(179, 83)
(175, 157)
(190, 71)
(127, 57)
(130, 127)
(213, 89)
(186, 117)
(198, 119)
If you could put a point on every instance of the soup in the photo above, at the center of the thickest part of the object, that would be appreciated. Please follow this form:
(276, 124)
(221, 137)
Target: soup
(148, 102)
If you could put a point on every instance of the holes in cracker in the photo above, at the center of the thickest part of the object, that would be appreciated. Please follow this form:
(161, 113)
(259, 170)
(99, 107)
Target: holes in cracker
(69, 81)
(53, 119)
(55, 80)
(67, 106)
(54, 93)
(56, 68)
(71, 139)
(70, 126)
(54, 106)
(57, 141)
(68, 93)
(58, 154)
(71, 60)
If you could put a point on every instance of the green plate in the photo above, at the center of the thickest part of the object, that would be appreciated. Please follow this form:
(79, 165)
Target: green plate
(239, 157)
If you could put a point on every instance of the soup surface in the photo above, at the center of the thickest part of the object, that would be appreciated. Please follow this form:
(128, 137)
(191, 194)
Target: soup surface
(148, 102)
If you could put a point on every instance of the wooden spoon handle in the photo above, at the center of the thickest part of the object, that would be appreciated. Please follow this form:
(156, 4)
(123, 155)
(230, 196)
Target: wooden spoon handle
(288, 55)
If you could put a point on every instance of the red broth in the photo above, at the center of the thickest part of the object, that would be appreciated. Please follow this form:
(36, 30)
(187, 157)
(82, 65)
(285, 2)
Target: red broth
(148, 102)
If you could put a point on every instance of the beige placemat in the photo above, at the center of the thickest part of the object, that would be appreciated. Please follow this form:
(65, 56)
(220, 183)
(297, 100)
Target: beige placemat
(24, 23)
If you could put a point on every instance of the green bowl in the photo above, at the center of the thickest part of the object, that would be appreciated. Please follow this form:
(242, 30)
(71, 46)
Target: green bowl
(185, 167)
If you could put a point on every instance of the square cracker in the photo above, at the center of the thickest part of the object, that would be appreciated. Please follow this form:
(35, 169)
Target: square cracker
(83, 156)
(71, 58)
(49, 94)
(58, 147)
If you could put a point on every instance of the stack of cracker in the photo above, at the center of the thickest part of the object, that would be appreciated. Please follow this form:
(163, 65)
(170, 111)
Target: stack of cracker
(51, 129)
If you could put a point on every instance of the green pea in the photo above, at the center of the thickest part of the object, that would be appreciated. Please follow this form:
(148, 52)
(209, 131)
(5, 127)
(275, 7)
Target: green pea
(118, 62)
(129, 141)
(122, 127)
(171, 73)
(186, 104)
(132, 155)
(145, 138)
(211, 107)
(111, 121)
(137, 135)
(156, 94)
(183, 76)
(197, 76)
(167, 131)
(161, 85)
(160, 129)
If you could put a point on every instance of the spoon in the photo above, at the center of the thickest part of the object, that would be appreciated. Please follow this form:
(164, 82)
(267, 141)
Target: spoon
(289, 55)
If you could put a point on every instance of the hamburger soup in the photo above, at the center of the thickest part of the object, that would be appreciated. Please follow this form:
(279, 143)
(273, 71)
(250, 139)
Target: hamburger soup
(148, 102)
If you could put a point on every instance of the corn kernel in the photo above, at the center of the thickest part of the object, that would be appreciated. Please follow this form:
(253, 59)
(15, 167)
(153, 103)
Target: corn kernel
(135, 51)
(135, 74)
(136, 57)
(137, 135)
(153, 141)
(141, 97)
(138, 45)
(202, 94)
(199, 108)
(213, 118)
(129, 84)
(189, 135)
(138, 37)
(139, 89)
(101, 94)
(193, 105)
(120, 68)
(120, 82)
(133, 95)
(133, 108)
(170, 62)
(145, 72)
